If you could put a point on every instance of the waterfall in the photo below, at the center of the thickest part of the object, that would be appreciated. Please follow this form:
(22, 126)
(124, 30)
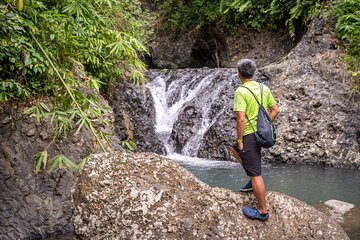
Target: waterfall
(174, 91)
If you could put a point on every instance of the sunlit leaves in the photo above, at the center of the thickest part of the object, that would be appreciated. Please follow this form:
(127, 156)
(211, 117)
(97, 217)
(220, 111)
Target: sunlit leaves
(231, 13)
(100, 34)
(129, 145)
(348, 30)
(58, 162)
(61, 160)
(41, 160)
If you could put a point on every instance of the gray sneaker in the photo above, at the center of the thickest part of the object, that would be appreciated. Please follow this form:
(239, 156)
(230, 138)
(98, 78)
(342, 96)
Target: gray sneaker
(247, 188)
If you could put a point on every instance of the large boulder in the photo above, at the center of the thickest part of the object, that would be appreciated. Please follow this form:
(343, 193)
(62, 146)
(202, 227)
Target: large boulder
(37, 206)
(146, 196)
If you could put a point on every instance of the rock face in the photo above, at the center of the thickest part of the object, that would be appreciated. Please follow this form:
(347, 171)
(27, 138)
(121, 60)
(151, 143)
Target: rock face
(146, 196)
(32, 206)
(210, 46)
(319, 119)
(135, 116)
(337, 209)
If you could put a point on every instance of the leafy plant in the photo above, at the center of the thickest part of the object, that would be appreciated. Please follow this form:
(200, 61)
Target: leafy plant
(61, 48)
(60, 160)
(129, 145)
(41, 160)
(348, 30)
(252, 14)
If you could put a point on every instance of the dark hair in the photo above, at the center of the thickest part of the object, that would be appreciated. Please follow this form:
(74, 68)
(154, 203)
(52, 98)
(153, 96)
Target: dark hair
(246, 68)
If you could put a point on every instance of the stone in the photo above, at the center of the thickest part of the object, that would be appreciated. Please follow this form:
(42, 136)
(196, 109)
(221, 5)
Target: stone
(31, 132)
(339, 206)
(349, 221)
(152, 197)
(44, 135)
(6, 120)
(210, 46)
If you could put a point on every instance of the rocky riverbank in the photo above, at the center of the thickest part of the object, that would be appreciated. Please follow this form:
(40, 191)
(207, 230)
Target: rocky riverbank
(147, 196)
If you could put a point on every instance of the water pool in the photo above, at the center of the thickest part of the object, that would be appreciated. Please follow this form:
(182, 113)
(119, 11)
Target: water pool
(311, 183)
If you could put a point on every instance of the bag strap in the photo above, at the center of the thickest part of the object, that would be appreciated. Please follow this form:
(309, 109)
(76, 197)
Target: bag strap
(261, 93)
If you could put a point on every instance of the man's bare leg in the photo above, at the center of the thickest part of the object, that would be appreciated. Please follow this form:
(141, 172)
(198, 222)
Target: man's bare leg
(259, 192)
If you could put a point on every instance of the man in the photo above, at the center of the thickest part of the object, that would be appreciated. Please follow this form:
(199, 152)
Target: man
(246, 150)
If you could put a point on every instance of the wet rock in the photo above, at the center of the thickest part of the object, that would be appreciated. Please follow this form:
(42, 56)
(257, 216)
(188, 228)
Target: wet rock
(34, 207)
(151, 197)
(135, 116)
(349, 221)
(339, 207)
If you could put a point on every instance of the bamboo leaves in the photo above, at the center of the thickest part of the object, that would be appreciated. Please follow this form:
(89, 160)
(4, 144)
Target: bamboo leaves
(42, 160)
(60, 50)
(60, 160)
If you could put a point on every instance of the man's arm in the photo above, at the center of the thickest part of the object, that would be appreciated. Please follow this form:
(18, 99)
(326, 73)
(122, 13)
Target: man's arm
(240, 126)
(274, 111)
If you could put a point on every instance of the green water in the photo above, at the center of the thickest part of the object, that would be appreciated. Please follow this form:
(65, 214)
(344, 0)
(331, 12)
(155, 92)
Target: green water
(311, 183)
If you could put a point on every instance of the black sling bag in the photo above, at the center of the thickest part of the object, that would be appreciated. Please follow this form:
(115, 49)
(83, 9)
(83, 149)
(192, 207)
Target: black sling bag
(266, 132)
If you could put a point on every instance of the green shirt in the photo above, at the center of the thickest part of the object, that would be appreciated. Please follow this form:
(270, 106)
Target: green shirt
(244, 101)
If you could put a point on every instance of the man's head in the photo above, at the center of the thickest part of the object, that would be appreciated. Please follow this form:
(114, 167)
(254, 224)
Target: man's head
(246, 68)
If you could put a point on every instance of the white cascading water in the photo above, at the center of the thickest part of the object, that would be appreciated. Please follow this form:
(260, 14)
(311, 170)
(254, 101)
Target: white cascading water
(187, 87)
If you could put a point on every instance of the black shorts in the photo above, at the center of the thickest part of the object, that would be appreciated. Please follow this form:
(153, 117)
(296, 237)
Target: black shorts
(250, 155)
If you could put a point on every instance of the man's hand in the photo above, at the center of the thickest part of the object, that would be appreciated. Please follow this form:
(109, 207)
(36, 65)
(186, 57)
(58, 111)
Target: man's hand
(241, 146)
(274, 111)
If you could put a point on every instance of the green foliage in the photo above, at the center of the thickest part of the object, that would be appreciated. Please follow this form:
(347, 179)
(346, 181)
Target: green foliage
(56, 48)
(60, 160)
(105, 36)
(129, 145)
(348, 30)
(254, 14)
(10, 89)
(42, 160)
